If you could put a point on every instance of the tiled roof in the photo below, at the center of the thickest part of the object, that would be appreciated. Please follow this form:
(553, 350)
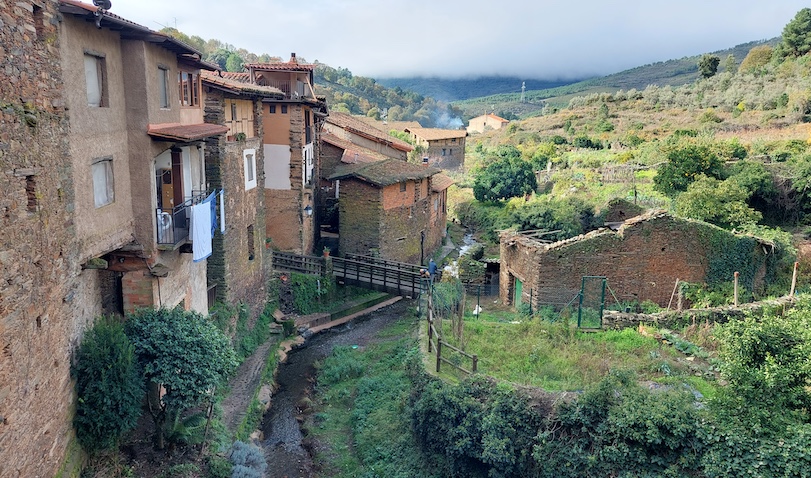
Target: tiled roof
(185, 132)
(384, 173)
(390, 125)
(237, 87)
(440, 182)
(494, 117)
(242, 76)
(285, 66)
(361, 128)
(353, 153)
(132, 30)
(433, 134)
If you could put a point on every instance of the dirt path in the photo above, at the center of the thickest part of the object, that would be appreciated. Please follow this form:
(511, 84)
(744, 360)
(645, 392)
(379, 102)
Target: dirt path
(286, 455)
(243, 385)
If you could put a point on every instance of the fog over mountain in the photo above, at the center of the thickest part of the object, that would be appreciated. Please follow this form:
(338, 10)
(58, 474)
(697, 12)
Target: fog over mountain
(551, 40)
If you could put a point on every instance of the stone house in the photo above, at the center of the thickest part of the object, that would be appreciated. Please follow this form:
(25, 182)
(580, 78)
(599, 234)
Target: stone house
(444, 148)
(240, 265)
(641, 259)
(291, 126)
(98, 202)
(391, 208)
(482, 123)
(363, 134)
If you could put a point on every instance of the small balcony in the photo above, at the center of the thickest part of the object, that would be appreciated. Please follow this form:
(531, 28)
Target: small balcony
(291, 90)
(173, 226)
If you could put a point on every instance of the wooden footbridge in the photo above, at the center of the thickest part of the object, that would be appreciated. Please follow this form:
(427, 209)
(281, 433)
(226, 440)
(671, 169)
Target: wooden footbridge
(353, 269)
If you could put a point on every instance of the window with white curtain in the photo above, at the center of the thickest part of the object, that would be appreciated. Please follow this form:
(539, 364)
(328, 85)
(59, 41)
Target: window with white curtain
(103, 184)
(96, 79)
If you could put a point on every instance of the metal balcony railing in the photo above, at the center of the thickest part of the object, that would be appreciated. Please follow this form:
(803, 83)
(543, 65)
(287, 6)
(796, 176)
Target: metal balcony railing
(173, 226)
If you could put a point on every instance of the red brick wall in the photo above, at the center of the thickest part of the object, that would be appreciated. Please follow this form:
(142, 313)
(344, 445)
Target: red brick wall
(641, 261)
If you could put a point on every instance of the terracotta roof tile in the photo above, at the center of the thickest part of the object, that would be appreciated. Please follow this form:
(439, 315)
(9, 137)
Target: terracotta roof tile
(185, 132)
(361, 128)
(432, 134)
(384, 173)
(285, 66)
(440, 182)
(353, 153)
(242, 76)
(237, 87)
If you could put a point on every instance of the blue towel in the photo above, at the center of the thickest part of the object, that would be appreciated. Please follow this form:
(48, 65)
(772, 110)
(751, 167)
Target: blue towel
(210, 200)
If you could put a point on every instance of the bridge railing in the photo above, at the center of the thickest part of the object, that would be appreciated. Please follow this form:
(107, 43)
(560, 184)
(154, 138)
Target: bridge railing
(297, 263)
(378, 276)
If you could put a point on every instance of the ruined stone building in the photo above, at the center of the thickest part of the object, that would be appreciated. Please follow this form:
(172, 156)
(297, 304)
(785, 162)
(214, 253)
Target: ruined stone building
(444, 148)
(391, 208)
(291, 126)
(642, 259)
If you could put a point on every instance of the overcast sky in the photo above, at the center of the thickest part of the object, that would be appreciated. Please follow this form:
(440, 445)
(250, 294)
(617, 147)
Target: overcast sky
(546, 39)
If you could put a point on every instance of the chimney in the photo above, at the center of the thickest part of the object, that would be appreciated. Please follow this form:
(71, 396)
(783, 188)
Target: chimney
(425, 161)
(293, 58)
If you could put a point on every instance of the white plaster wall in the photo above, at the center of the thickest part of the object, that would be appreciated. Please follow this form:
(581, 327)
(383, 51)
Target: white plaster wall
(277, 166)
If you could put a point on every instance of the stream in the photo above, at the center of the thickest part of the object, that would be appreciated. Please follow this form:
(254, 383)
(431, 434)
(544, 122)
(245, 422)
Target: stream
(283, 443)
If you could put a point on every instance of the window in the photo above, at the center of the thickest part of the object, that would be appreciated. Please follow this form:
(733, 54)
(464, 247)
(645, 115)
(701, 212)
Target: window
(251, 249)
(189, 88)
(272, 109)
(453, 140)
(103, 188)
(233, 111)
(402, 186)
(451, 152)
(163, 86)
(308, 165)
(95, 73)
(443, 151)
(284, 109)
(249, 160)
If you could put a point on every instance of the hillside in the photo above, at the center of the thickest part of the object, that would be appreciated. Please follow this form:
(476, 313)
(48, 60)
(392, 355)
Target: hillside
(465, 88)
(674, 72)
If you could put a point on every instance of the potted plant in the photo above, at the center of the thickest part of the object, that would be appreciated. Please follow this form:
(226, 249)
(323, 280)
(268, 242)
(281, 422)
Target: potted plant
(326, 251)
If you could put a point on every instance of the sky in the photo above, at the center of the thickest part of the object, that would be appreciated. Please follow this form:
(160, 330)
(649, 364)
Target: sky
(532, 39)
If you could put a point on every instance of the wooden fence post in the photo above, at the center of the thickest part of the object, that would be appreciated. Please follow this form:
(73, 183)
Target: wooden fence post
(736, 287)
(475, 363)
(794, 280)
(430, 334)
(438, 353)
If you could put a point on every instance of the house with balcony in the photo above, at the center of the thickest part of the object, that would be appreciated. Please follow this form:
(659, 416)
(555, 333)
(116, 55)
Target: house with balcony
(239, 267)
(137, 140)
(443, 148)
(290, 129)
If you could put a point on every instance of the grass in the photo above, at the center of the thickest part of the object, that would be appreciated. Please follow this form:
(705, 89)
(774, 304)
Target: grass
(360, 419)
(558, 357)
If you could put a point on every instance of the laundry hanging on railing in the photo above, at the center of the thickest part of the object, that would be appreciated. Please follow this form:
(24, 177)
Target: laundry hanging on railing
(201, 231)
(222, 211)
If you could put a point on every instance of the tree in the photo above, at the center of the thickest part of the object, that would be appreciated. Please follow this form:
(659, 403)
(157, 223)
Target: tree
(108, 386)
(185, 354)
(757, 58)
(233, 63)
(730, 64)
(684, 165)
(708, 65)
(796, 40)
(722, 203)
(504, 178)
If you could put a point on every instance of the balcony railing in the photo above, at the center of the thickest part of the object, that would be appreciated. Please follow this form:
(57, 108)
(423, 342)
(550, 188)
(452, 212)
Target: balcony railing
(290, 90)
(173, 226)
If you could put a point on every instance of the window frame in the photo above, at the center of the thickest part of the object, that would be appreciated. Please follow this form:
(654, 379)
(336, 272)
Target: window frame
(188, 89)
(249, 168)
(164, 95)
(100, 78)
(106, 163)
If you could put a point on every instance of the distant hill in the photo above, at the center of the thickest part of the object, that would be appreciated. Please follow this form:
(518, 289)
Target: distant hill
(664, 73)
(462, 89)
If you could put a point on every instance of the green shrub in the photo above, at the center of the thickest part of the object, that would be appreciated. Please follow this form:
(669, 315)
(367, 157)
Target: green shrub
(109, 387)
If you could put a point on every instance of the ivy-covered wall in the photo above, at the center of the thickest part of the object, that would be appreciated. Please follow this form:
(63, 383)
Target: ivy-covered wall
(642, 260)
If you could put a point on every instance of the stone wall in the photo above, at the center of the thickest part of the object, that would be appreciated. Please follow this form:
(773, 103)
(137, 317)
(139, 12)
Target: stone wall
(642, 261)
(360, 212)
(38, 331)
(238, 277)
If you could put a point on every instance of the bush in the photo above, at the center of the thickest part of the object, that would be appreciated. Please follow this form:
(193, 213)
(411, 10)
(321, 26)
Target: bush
(248, 461)
(108, 386)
